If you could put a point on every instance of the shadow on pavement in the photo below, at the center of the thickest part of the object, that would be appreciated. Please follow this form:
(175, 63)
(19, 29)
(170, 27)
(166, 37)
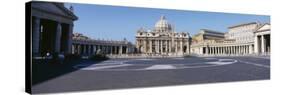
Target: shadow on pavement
(43, 70)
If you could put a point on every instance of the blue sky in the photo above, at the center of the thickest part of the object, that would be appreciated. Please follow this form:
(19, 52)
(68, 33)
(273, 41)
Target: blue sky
(117, 23)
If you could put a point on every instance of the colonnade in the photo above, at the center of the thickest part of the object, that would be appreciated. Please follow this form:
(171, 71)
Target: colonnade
(50, 36)
(262, 43)
(91, 49)
(222, 50)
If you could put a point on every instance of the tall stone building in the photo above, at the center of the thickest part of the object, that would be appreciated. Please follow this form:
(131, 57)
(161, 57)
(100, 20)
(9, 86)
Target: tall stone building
(162, 40)
(241, 39)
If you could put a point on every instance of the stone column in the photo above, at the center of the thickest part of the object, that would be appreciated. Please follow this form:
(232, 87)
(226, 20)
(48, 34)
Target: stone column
(157, 46)
(145, 47)
(150, 46)
(256, 44)
(239, 49)
(127, 49)
(219, 51)
(216, 50)
(116, 51)
(210, 50)
(166, 49)
(244, 49)
(111, 50)
(35, 36)
(107, 49)
(262, 44)
(58, 37)
(69, 39)
(120, 49)
(73, 48)
(250, 51)
(181, 49)
(176, 46)
(226, 50)
(207, 50)
(170, 46)
(161, 44)
(78, 48)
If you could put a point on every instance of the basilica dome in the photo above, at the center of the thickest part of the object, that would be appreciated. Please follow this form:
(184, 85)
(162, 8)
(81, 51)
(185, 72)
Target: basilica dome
(162, 25)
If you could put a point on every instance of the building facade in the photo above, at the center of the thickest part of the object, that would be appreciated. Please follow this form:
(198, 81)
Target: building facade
(86, 46)
(162, 40)
(242, 39)
(262, 39)
(52, 26)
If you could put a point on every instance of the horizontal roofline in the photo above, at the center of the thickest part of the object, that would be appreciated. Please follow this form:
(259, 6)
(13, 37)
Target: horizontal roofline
(234, 26)
(213, 31)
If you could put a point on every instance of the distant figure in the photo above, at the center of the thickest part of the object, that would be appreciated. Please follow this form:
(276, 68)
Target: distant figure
(48, 55)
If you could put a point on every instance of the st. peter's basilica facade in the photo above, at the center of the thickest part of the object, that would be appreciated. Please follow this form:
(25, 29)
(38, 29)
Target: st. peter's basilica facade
(162, 39)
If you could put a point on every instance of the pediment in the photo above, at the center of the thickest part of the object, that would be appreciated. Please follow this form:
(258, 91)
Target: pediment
(264, 27)
(53, 8)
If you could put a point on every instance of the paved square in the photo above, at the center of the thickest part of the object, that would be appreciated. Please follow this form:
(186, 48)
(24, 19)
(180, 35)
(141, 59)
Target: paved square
(128, 73)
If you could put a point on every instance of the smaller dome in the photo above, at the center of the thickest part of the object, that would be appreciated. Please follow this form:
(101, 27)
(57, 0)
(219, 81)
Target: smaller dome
(162, 25)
